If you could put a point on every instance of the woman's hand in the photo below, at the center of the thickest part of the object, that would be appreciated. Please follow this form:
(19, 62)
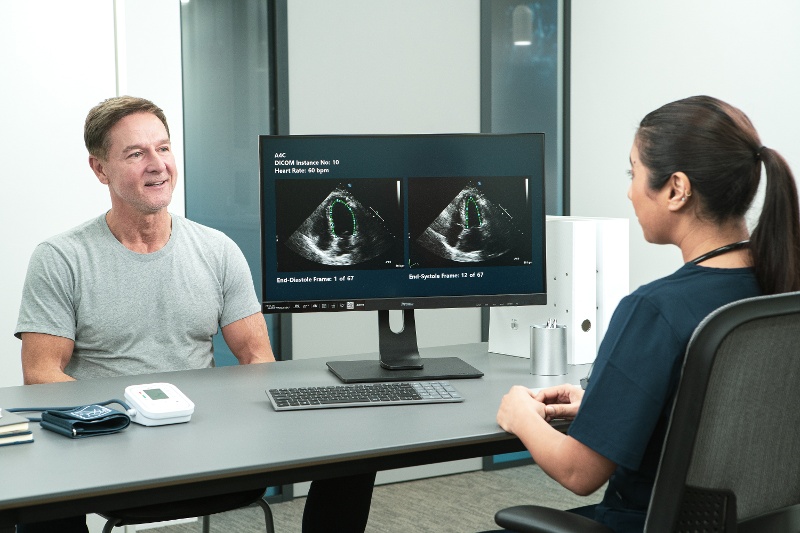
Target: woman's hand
(561, 401)
(517, 408)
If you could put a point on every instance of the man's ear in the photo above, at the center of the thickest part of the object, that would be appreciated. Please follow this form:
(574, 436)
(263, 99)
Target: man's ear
(679, 191)
(98, 167)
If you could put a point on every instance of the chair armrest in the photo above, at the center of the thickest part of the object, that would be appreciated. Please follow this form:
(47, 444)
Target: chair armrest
(536, 519)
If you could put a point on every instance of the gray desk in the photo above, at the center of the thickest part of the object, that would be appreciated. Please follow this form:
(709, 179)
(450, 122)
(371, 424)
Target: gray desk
(236, 441)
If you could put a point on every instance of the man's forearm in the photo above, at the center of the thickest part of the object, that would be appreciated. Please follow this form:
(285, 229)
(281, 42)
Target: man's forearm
(33, 377)
(44, 358)
(248, 340)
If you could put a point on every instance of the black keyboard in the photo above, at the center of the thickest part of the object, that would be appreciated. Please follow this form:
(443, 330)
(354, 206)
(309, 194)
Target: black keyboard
(363, 394)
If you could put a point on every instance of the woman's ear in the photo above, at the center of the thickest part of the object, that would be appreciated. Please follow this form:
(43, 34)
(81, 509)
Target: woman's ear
(678, 191)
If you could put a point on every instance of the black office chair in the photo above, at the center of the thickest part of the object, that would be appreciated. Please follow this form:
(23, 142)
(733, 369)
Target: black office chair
(731, 457)
(204, 507)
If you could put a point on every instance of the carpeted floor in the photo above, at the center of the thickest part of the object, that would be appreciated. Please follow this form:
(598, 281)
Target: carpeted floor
(462, 503)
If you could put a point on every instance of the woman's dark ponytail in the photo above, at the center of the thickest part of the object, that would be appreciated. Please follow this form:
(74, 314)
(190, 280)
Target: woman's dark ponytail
(775, 241)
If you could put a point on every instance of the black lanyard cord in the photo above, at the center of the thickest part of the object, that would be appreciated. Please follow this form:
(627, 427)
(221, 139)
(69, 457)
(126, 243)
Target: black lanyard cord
(719, 251)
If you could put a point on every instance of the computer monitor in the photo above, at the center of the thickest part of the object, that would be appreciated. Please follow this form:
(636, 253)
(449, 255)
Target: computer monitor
(401, 222)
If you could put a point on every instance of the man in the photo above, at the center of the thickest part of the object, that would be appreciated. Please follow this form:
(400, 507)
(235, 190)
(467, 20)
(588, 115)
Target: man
(136, 290)
(139, 290)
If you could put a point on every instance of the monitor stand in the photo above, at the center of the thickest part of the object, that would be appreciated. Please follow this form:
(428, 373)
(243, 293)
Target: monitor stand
(399, 358)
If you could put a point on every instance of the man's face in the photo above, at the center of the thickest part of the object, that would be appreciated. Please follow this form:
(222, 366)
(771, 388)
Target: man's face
(140, 168)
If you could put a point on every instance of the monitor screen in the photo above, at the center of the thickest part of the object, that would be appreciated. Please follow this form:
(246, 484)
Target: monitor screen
(382, 222)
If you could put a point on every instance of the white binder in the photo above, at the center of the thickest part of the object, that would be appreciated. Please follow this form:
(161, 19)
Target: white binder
(613, 268)
(587, 275)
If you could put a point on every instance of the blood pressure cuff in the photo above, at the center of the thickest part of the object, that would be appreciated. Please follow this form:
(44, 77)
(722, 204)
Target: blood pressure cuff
(85, 421)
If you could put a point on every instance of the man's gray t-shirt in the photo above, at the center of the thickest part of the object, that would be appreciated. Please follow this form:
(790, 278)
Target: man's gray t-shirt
(132, 313)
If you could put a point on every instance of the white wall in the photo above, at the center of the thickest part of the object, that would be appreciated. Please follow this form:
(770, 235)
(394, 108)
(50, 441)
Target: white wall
(58, 60)
(382, 66)
(630, 57)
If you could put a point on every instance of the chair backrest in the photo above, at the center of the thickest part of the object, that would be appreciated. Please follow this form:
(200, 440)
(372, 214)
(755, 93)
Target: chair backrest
(732, 439)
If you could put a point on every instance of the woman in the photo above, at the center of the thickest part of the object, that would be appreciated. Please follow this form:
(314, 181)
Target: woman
(695, 169)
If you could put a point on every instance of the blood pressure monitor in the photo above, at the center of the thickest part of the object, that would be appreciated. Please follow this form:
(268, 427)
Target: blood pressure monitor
(158, 404)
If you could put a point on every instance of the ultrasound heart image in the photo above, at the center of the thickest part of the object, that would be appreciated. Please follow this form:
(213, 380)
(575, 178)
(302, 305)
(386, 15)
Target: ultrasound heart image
(469, 230)
(340, 231)
(350, 227)
(474, 227)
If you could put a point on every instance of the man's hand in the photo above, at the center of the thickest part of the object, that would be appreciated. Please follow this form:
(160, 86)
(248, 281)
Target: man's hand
(561, 401)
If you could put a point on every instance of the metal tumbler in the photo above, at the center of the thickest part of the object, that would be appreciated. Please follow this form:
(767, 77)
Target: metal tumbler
(548, 349)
